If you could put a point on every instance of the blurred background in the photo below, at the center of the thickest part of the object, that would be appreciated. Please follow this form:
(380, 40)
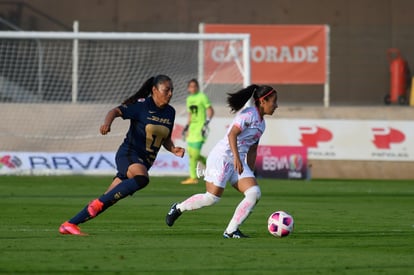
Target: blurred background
(361, 31)
(357, 137)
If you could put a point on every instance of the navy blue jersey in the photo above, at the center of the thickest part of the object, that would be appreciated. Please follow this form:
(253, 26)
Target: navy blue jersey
(150, 126)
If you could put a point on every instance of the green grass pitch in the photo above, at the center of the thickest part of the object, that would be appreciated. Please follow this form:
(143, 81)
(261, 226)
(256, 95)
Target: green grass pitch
(345, 227)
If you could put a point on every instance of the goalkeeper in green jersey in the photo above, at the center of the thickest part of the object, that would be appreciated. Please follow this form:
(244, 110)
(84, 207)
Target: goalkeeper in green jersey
(200, 112)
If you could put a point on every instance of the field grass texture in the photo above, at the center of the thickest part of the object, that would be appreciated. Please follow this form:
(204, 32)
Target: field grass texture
(344, 227)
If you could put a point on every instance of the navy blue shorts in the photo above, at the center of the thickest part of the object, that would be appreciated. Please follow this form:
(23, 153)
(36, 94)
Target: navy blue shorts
(125, 158)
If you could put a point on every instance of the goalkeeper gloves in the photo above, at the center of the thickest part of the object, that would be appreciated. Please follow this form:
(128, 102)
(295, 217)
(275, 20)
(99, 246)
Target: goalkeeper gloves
(206, 129)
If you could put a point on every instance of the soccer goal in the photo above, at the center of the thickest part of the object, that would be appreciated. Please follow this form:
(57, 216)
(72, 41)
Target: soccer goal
(56, 87)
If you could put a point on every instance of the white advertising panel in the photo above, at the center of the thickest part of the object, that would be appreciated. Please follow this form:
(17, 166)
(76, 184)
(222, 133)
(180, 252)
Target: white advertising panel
(32, 163)
(373, 140)
(326, 139)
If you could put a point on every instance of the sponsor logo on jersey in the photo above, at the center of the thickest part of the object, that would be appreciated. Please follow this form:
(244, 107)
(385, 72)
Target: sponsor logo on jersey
(160, 120)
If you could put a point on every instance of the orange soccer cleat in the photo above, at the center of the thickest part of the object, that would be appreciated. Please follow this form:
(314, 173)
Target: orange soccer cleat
(70, 229)
(95, 207)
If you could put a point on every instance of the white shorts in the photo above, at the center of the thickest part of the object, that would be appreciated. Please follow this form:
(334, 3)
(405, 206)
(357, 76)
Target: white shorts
(220, 170)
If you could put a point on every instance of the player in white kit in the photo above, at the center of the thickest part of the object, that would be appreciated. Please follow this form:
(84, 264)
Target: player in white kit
(233, 159)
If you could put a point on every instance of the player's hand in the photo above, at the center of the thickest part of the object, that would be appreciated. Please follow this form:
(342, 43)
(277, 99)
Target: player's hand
(105, 129)
(178, 151)
(185, 132)
(238, 166)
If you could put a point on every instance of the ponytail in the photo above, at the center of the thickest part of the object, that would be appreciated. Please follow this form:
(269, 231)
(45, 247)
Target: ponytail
(143, 92)
(146, 88)
(238, 100)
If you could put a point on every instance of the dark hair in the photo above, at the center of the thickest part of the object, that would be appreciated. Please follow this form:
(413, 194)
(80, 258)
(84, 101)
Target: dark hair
(238, 100)
(195, 81)
(146, 88)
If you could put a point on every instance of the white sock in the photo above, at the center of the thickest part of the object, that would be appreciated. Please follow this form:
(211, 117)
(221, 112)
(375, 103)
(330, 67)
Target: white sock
(198, 201)
(245, 207)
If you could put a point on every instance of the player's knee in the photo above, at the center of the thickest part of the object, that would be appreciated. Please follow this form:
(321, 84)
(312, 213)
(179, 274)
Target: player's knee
(212, 199)
(193, 153)
(141, 182)
(254, 193)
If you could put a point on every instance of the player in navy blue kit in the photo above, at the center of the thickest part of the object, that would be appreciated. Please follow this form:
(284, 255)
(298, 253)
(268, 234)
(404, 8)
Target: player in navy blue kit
(151, 124)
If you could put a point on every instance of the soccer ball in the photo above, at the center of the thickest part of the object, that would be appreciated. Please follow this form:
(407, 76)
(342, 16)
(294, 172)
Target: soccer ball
(280, 224)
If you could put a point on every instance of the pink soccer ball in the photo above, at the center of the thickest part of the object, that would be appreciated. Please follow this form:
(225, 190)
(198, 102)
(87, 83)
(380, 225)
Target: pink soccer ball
(280, 224)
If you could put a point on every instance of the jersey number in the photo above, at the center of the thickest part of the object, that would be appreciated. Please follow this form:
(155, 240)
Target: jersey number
(194, 109)
(156, 135)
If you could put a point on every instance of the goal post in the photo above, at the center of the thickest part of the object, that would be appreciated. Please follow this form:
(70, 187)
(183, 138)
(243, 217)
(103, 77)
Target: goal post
(56, 87)
(245, 57)
(98, 36)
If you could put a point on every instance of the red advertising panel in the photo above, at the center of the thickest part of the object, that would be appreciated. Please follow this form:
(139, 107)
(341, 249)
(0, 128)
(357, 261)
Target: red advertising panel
(290, 54)
(282, 162)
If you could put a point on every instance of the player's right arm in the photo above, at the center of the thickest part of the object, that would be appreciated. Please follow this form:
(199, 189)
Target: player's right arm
(251, 156)
(232, 136)
(109, 118)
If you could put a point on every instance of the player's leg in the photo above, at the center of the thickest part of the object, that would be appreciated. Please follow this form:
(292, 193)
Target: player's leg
(71, 226)
(114, 183)
(252, 194)
(137, 179)
(217, 174)
(211, 196)
(84, 214)
(194, 154)
(200, 157)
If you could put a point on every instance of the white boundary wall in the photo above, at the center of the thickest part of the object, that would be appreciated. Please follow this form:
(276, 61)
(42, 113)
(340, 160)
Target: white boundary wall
(327, 139)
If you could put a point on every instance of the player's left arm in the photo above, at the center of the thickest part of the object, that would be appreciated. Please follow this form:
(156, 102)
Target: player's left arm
(209, 116)
(210, 112)
(251, 156)
(169, 145)
(209, 109)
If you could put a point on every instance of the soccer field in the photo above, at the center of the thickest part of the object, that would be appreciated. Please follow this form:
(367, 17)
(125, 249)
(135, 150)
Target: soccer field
(346, 227)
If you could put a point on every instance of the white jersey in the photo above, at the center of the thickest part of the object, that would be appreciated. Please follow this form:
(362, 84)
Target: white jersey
(252, 127)
(220, 169)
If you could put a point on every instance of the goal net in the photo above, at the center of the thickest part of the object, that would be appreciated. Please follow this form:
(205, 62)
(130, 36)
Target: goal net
(56, 87)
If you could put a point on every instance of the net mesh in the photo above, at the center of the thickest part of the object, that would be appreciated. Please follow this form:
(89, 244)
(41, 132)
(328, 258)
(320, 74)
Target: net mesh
(37, 112)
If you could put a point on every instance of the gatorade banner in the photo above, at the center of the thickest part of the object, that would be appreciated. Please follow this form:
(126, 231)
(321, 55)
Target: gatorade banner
(282, 162)
(280, 54)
